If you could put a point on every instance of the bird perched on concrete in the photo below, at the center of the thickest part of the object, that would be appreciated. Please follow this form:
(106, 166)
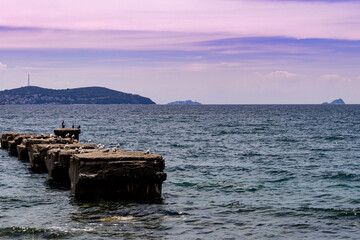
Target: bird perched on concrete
(79, 127)
(147, 151)
(73, 136)
(73, 126)
(66, 147)
(89, 141)
(63, 124)
(117, 146)
(48, 146)
(67, 135)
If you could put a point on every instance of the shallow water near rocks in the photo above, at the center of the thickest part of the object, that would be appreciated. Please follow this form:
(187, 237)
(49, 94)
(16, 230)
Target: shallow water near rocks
(234, 172)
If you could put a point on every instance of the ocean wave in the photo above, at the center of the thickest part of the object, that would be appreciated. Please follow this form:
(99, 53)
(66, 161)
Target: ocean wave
(341, 175)
(30, 233)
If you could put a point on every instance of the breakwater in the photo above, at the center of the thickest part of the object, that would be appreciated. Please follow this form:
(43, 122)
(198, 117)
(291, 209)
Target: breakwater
(90, 171)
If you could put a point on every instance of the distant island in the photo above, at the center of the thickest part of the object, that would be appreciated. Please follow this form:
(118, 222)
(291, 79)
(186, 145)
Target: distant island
(86, 95)
(336, 101)
(187, 102)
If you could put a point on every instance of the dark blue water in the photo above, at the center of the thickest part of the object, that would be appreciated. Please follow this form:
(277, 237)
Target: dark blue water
(234, 172)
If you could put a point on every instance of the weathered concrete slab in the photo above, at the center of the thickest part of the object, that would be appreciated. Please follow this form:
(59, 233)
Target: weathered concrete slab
(122, 175)
(22, 152)
(37, 153)
(68, 132)
(6, 137)
(57, 162)
(23, 148)
(17, 141)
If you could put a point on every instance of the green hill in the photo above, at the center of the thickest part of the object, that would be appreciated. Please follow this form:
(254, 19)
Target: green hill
(86, 95)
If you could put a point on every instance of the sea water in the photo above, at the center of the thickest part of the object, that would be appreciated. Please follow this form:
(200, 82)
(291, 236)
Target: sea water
(234, 172)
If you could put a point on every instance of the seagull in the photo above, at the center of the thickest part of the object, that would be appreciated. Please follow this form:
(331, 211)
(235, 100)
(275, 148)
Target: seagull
(73, 136)
(80, 148)
(114, 149)
(101, 147)
(107, 150)
(82, 151)
(147, 151)
(67, 135)
(51, 135)
(117, 146)
(89, 141)
(66, 146)
(48, 146)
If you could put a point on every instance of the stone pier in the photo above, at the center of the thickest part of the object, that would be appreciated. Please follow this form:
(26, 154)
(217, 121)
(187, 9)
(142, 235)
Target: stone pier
(91, 172)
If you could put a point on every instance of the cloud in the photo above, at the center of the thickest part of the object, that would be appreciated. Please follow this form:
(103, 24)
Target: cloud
(329, 77)
(201, 67)
(2, 66)
(281, 74)
(112, 23)
(101, 39)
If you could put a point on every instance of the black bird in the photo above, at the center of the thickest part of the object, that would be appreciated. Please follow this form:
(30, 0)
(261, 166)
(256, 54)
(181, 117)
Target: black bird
(63, 124)
(79, 127)
(73, 126)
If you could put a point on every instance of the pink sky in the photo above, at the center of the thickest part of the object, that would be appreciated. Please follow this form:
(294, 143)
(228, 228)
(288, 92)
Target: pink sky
(236, 18)
(217, 51)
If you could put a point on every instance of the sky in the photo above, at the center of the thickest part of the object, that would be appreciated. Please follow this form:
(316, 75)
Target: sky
(211, 51)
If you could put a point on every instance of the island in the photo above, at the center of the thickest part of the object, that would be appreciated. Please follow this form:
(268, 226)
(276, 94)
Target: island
(335, 102)
(85, 95)
(187, 102)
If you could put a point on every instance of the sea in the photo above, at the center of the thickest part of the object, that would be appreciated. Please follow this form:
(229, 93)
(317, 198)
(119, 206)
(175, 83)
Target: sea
(233, 172)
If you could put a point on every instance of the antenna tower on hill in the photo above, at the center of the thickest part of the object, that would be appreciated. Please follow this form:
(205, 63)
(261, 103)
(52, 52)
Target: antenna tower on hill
(28, 80)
